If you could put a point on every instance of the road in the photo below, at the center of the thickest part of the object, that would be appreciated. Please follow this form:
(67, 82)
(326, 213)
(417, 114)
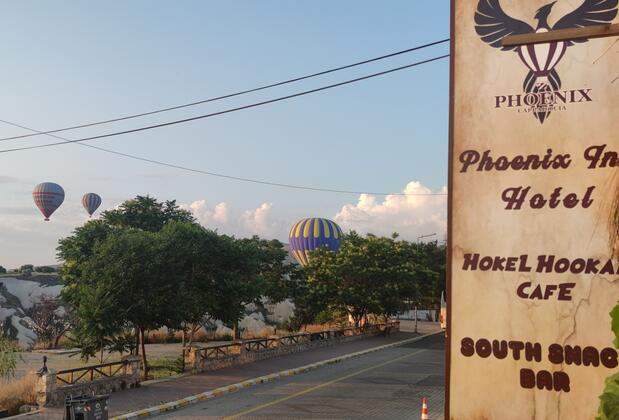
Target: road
(387, 384)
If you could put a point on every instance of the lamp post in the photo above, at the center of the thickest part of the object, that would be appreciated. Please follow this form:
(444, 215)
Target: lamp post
(425, 236)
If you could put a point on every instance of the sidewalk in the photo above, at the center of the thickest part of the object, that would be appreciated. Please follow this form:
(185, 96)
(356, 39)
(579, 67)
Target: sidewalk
(158, 392)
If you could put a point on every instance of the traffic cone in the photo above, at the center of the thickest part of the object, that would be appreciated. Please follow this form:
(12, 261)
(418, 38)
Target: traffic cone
(424, 410)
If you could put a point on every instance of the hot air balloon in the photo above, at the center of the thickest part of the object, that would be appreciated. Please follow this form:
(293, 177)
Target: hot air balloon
(48, 197)
(309, 234)
(91, 202)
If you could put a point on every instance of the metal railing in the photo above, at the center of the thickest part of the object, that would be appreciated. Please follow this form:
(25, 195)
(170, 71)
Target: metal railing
(90, 373)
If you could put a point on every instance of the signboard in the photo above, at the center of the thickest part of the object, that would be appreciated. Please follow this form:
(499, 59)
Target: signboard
(534, 192)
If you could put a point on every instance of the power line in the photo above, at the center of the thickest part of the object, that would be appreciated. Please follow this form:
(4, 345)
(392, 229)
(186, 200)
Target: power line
(227, 111)
(215, 174)
(230, 95)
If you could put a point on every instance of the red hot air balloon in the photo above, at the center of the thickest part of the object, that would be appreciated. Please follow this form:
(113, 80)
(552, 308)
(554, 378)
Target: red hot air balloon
(91, 202)
(48, 197)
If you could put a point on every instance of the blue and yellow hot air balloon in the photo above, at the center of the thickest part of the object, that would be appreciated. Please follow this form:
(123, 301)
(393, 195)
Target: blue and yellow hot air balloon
(309, 234)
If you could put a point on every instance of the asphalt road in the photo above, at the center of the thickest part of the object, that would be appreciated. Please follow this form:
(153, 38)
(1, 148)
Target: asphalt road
(387, 384)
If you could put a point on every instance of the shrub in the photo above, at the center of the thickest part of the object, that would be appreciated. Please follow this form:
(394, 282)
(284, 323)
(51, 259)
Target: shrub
(8, 356)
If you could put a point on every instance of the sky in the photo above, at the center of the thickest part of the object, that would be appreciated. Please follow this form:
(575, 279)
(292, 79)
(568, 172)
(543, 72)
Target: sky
(67, 63)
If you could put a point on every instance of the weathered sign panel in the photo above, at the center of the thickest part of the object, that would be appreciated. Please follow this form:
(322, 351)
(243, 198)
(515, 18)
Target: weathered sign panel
(533, 212)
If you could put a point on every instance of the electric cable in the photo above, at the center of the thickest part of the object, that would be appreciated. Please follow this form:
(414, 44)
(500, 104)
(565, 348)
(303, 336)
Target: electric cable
(230, 95)
(226, 111)
(219, 175)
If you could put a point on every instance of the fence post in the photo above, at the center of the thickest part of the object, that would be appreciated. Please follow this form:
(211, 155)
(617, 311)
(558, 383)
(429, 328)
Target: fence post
(274, 341)
(45, 387)
(133, 368)
(192, 359)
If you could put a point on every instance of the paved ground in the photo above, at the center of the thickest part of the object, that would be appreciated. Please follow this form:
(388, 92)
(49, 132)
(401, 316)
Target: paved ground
(388, 384)
(152, 394)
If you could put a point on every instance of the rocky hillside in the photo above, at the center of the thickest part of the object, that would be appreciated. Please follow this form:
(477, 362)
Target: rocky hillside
(17, 296)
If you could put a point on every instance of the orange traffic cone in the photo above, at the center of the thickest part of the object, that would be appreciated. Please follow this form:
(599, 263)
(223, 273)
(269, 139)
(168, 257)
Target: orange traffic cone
(424, 410)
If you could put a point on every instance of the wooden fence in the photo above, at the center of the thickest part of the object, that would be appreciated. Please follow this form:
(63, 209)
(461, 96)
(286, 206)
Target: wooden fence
(261, 344)
(90, 373)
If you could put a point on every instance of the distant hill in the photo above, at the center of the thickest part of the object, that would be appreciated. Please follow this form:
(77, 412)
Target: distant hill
(17, 296)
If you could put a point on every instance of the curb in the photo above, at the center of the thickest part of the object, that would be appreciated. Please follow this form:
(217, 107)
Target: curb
(218, 392)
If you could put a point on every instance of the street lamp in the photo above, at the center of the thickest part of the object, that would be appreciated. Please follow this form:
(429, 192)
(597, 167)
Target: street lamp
(425, 236)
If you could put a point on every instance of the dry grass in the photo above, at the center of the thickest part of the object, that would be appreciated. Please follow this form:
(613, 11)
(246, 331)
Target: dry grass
(15, 393)
(263, 333)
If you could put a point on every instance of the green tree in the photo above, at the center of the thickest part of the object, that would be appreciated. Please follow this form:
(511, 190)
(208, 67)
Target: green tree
(609, 400)
(26, 267)
(371, 275)
(2, 270)
(238, 279)
(279, 277)
(128, 267)
(146, 213)
(191, 255)
(111, 281)
(431, 259)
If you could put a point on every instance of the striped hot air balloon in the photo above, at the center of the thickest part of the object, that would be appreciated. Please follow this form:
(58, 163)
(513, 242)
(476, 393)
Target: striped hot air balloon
(91, 202)
(309, 234)
(48, 196)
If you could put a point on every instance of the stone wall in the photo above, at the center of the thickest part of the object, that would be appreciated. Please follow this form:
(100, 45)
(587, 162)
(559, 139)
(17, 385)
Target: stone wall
(196, 363)
(51, 392)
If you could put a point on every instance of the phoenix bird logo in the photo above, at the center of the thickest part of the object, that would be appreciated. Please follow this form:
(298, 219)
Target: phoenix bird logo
(493, 24)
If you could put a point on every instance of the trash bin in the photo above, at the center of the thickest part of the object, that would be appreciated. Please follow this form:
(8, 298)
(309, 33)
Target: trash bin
(86, 407)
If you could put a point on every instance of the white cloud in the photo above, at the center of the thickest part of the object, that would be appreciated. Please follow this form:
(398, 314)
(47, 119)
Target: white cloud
(216, 217)
(259, 222)
(409, 215)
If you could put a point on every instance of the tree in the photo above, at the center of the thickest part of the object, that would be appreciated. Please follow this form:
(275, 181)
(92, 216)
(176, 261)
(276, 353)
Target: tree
(127, 267)
(146, 213)
(280, 278)
(148, 264)
(238, 279)
(49, 320)
(432, 259)
(2, 270)
(26, 267)
(371, 275)
(111, 270)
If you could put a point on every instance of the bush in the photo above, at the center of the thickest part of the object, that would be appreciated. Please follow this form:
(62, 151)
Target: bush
(8, 356)
(15, 393)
